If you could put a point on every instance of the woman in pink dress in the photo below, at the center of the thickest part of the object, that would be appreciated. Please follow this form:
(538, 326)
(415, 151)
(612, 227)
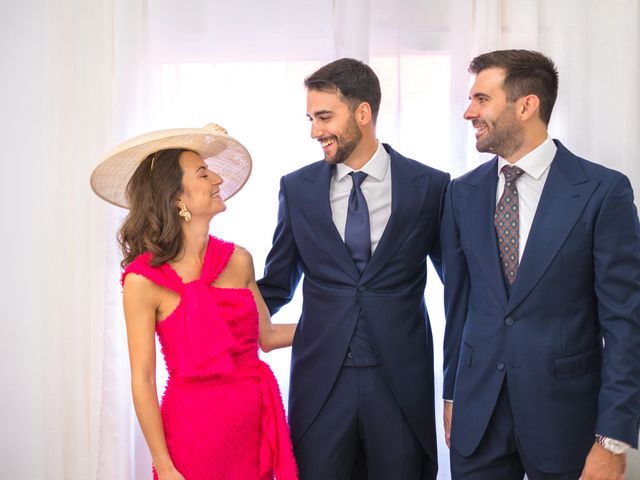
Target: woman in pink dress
(221, 416)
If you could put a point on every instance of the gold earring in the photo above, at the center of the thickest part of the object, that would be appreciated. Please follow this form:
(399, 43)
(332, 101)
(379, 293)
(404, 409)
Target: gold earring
(184, 211)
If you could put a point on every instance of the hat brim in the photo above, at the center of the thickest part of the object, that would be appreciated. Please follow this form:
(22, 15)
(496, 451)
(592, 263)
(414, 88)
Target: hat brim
(223, 155)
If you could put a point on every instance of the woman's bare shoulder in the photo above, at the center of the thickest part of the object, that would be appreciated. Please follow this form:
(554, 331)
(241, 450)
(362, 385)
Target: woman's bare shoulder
(241, 263)
(139, 286)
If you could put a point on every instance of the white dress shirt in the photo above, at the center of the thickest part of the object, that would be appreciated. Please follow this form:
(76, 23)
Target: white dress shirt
(536, 165)
(376, 189)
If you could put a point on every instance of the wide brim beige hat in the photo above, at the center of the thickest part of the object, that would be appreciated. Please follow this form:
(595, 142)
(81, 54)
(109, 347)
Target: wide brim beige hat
(223, 154)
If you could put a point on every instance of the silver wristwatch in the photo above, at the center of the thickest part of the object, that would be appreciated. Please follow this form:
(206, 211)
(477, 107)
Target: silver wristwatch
(614, 446)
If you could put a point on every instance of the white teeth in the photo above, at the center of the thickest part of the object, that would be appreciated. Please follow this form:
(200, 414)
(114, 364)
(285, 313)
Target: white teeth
(326, 143)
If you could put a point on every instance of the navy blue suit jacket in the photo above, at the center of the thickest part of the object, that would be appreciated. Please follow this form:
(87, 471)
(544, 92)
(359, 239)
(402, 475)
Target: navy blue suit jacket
(577, 288)
(390, 292)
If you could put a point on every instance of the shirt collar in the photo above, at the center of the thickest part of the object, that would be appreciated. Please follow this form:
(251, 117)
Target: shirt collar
(376, 167)
(536, 161)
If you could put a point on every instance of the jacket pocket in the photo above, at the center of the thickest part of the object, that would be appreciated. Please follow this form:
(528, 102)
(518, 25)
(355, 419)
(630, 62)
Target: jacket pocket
(577, 365)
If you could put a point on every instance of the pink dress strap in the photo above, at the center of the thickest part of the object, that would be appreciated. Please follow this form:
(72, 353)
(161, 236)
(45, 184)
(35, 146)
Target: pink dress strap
(161, 275)
(216, 259)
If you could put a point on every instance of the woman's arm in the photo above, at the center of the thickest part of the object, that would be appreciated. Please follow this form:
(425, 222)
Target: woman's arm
(140, 305)
(272, 335)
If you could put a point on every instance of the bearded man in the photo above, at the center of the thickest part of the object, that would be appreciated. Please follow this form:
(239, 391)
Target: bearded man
(542, 293)
(359, 226)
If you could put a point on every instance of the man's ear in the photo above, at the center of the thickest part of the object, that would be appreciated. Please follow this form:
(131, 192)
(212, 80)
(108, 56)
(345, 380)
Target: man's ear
(363, 114)
(527, 107)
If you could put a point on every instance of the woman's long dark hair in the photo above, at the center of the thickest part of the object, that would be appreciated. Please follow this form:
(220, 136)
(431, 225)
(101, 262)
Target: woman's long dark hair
(153, 223)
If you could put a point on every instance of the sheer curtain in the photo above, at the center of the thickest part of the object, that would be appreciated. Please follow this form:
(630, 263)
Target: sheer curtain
(83, 75)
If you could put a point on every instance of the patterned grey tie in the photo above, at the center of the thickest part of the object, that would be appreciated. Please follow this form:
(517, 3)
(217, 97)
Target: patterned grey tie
(507, 223)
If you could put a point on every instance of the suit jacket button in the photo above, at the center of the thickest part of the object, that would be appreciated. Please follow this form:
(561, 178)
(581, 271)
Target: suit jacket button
(509, 321)
(350, 355)
(501, 367)
(361, 289)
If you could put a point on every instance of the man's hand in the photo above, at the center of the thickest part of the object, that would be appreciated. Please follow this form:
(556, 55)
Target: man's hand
(447, 414)
(601, 464)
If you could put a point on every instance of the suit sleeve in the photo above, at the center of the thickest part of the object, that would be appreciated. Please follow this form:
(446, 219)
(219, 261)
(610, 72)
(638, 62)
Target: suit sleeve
(436, 252)
(283, 267)
(456, 291)
(617, 285)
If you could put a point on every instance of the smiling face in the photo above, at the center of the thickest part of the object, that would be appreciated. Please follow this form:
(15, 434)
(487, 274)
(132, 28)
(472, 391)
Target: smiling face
(333, 124)
(200, 186)
(498, 129)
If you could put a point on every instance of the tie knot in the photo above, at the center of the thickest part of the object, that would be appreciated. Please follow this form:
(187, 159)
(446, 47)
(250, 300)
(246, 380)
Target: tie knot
(358, 178)
(511, 173)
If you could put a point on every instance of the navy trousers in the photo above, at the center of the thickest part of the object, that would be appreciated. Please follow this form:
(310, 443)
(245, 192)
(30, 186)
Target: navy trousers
(360, 434)
(498, 456)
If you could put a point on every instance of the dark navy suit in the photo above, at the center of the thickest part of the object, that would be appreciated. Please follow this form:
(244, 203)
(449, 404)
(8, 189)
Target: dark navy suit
(389, 294)
(577, 287)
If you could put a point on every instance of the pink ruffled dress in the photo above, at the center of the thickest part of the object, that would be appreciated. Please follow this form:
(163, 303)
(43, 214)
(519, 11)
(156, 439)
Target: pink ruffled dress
(222, 411)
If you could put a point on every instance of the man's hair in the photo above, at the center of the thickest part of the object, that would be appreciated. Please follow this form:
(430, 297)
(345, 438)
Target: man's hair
(526, 72)
(353, 79)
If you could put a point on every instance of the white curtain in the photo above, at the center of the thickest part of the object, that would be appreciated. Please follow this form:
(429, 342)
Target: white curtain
(78, 76)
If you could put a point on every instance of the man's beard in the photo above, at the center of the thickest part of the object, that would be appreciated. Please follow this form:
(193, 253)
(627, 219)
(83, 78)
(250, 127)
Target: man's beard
(506, 136)
(346, 144)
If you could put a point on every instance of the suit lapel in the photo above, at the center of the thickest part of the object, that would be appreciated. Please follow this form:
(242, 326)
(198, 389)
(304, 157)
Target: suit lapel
(478, 194)
(407, 191)
(317, 210)
(565, 194)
